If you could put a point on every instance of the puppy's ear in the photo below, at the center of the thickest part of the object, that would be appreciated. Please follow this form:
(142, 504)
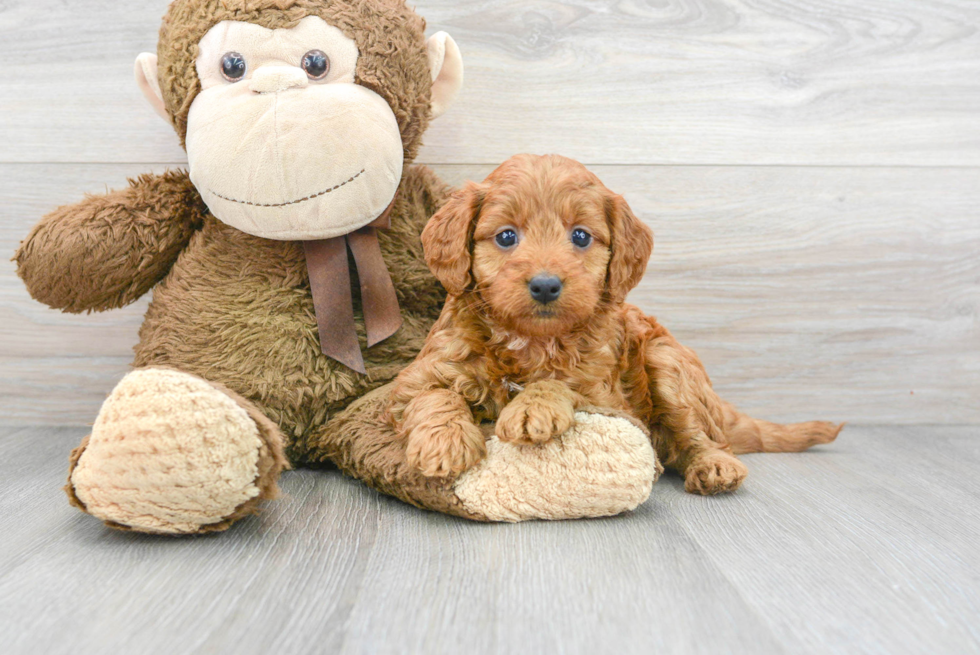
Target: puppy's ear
(446, 238)
(632, 244)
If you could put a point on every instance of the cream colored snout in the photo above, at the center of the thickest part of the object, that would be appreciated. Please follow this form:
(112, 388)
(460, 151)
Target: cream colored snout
(274, 79)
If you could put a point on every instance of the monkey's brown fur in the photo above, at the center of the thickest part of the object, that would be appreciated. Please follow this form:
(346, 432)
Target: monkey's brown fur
(588, 348)
(236, 310)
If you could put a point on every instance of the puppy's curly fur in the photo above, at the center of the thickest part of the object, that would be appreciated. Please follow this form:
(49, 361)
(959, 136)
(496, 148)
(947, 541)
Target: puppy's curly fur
(497, 353)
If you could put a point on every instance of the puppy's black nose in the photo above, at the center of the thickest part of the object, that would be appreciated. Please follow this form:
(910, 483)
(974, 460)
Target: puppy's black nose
(544, 288)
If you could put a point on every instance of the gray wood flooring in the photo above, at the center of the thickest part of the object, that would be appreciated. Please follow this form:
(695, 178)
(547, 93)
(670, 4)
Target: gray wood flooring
(868, 545)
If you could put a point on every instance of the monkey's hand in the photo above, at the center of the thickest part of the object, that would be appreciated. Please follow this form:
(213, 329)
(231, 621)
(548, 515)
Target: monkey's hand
(108, 250)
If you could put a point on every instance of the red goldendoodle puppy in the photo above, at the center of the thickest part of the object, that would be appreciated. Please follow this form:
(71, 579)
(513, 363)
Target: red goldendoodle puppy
(537, 261)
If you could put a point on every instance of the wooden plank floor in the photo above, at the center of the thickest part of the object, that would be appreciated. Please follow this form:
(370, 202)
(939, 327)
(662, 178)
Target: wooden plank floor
(867, 545)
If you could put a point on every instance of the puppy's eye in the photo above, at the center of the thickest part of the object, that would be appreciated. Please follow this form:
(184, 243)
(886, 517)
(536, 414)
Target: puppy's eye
(233, 66)
(506, 238)
(316, 64)
(581, 238)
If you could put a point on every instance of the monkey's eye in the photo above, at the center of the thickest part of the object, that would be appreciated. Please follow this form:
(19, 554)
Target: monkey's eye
(581, 238)
(233, 66)
(316, 64)
(506, 238)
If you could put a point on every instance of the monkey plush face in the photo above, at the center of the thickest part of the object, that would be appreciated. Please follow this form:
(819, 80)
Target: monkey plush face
(299, 115)
(281, 142)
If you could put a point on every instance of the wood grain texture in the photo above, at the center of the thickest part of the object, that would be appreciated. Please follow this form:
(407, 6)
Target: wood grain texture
(605, 81)
(838, 519)
(842, 293)
(864, 546)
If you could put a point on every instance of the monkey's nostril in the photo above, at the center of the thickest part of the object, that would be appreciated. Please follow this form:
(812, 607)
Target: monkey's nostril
(544, 288)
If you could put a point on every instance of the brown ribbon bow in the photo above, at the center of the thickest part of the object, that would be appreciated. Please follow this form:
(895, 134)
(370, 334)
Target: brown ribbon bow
(326, 263)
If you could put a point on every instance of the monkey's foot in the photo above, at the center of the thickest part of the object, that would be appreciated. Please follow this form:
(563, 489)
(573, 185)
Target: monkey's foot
(602, 466)
(171, 453)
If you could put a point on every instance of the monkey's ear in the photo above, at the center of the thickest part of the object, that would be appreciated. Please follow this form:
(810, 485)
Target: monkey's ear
(632, 244)
(149, 83)
(446, 65)
(446, 238)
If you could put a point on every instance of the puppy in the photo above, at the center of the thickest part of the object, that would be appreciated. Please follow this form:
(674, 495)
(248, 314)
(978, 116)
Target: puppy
(537, 261)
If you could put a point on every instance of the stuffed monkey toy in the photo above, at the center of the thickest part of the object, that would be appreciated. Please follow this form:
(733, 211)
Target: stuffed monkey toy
(289, 283)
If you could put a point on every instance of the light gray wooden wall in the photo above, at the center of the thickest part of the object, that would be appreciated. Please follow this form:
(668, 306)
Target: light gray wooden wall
(811, 170)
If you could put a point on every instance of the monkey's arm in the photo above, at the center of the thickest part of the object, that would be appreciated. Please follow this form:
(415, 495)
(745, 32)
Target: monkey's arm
(106, 251)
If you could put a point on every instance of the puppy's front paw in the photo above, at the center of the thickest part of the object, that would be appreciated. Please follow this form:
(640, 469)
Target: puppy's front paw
(532, 420)
(446, 450)
(714, 473)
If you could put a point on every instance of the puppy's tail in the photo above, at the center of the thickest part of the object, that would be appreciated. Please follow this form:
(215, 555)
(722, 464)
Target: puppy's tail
(750, 435)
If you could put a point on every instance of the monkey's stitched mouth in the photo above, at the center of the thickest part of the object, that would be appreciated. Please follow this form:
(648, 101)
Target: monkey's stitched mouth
(292, 202)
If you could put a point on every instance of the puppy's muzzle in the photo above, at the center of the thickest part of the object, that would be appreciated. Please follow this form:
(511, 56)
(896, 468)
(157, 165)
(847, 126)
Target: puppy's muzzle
(545, 288)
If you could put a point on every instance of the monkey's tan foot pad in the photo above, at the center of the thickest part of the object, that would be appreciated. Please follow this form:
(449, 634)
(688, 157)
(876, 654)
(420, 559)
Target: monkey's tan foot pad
(602, 466)
(171, 453)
